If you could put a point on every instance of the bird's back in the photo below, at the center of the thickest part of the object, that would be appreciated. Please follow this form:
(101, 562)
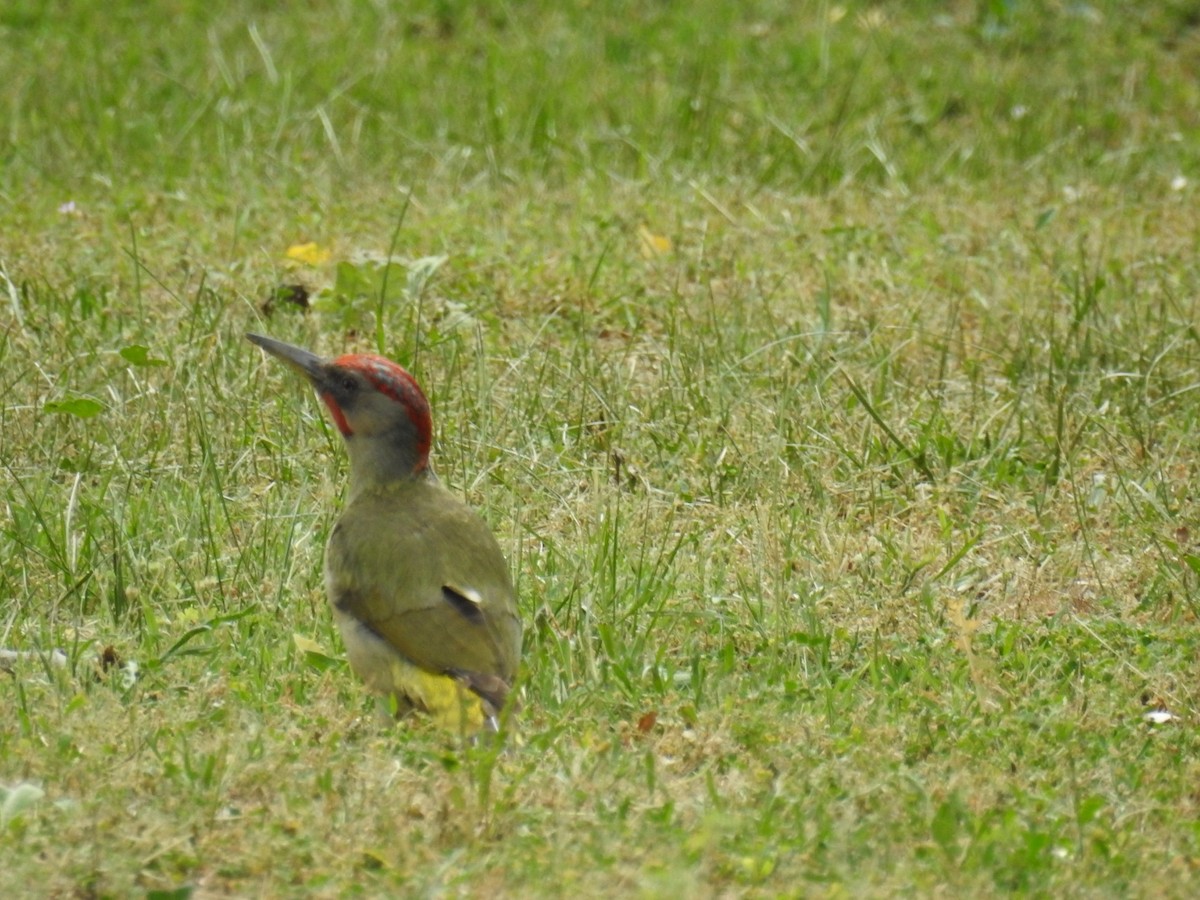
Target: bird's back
(419, 569)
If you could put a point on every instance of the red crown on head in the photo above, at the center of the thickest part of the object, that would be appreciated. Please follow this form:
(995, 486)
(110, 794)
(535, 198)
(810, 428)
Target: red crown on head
(393, 380)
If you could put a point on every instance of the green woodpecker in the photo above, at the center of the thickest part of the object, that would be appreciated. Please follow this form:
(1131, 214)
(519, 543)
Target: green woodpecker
(419, 587)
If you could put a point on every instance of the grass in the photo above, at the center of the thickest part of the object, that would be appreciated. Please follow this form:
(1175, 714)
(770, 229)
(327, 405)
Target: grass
(829, 373)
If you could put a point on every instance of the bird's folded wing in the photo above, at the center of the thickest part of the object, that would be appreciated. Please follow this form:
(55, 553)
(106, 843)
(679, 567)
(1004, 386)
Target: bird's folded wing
(432, 633)
(437, 590)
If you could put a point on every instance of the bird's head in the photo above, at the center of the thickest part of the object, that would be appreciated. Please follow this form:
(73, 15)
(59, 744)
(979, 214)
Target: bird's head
(377, 406)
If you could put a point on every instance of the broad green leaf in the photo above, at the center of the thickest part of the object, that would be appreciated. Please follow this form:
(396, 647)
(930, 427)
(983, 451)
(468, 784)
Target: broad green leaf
(80, 407)
(314, 654)
(140, 356)
(352, 281)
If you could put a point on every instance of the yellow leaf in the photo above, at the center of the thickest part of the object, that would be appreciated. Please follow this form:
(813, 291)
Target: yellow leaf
(310, 254)
(653, 244)
(314, 654)
(306, 644)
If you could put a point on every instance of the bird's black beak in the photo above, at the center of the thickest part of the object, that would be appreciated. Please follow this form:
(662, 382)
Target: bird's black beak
(302, 361)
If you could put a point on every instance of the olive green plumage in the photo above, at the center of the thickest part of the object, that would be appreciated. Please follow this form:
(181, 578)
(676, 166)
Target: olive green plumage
(418, 585)
(425, 574)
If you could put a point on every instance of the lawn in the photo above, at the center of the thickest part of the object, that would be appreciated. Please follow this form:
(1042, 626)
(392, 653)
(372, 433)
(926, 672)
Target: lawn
(830, 374)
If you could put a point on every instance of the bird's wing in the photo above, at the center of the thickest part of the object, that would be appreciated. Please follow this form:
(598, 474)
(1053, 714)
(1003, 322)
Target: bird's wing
(428, 577)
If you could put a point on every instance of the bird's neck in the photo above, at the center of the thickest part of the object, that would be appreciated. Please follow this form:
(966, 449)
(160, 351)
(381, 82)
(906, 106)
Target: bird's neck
(377, 463)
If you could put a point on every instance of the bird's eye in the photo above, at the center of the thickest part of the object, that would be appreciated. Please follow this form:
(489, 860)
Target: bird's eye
(349, 384)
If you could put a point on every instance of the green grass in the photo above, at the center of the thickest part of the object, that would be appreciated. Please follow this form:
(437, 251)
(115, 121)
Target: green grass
(856, 530)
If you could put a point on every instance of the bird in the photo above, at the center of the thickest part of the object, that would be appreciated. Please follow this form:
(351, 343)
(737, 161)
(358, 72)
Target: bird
(418, 585)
